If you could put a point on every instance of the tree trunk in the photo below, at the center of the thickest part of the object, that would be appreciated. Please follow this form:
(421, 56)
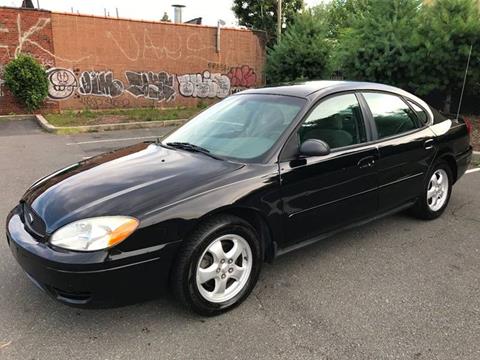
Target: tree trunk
(448, 103)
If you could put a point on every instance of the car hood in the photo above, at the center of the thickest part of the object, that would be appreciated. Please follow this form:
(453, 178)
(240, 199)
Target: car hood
(129, 181)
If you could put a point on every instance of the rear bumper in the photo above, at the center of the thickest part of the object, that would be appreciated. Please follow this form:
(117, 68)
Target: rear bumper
(463, 161)
(97, 278)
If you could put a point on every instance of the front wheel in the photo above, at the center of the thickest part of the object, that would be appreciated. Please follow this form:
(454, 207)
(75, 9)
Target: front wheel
(436, 193)
(218, 265)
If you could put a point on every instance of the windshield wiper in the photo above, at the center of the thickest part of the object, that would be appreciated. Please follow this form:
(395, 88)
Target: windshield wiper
(194, 148)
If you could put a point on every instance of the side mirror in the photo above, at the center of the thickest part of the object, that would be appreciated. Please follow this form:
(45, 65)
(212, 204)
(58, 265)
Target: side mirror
(314, 147)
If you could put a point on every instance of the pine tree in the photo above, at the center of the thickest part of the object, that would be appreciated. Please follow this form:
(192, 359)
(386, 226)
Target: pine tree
(303, 52)
(447, 29)
(378, 43)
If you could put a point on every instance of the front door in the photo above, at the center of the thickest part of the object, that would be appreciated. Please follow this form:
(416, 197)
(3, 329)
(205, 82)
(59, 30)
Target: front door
(321, 194)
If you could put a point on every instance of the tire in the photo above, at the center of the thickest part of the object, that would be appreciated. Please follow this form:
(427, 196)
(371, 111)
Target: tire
(426, 207)
(201, 258)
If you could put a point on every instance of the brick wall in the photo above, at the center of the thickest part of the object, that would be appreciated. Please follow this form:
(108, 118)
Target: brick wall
(29, 32)
(97, 62)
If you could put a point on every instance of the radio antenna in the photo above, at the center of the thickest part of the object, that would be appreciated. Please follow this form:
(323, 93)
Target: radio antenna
(464, 81)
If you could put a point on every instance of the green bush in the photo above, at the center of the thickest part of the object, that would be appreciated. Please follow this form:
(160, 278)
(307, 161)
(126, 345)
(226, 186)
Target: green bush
(303, 52)
(27, 80)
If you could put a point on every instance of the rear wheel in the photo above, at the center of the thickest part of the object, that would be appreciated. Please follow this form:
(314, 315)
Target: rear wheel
(218, 266)
(436, 193)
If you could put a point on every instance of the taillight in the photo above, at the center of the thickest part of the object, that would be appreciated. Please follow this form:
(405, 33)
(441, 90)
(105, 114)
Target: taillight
(468, 124)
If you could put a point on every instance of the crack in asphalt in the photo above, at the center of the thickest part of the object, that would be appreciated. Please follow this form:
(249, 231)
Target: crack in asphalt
(456, 216)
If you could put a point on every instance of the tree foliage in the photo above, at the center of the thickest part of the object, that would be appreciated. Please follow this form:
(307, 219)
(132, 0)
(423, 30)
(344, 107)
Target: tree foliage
(377, 45)
(303, 52)
(446, 30)
(422, 47)
(262, 15)
(27, 80)
(405, 43)
(340, 14)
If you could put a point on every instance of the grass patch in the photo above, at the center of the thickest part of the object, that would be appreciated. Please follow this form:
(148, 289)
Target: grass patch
(115, 116)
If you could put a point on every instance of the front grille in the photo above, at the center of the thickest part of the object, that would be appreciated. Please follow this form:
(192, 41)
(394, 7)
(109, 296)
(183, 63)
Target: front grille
(33, 223)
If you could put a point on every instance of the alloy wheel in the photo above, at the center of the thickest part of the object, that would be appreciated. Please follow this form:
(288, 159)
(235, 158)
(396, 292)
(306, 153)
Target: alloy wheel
(437, 191)
(224, 268)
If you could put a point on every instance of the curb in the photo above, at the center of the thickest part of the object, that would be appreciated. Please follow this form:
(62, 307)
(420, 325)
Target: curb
(16, 117)
(45, 125)
(476, 156)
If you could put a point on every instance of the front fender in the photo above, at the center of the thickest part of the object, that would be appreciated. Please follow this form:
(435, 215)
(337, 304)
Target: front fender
(256, 189)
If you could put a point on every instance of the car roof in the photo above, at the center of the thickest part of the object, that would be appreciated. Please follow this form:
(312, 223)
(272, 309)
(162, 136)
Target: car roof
(307, 88)
(320, 88)
(302, 89)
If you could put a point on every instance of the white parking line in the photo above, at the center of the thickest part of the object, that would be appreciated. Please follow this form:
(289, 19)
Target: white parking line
(113, 140)
(472, 170)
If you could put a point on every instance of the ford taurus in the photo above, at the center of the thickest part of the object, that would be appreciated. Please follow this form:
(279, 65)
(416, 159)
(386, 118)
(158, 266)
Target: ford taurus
(259, 174)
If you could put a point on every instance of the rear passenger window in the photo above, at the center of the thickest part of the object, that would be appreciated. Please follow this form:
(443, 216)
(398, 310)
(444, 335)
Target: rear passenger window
(391, 114)
(337, 121)
(421, 114)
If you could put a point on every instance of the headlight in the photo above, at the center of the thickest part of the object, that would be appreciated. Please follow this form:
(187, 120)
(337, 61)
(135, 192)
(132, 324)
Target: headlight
(94, 233)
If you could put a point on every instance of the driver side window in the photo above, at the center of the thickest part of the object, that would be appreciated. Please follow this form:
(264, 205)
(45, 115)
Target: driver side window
(337, 121)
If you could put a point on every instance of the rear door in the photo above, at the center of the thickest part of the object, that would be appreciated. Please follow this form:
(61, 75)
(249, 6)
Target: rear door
(405, 145)
(323, 193)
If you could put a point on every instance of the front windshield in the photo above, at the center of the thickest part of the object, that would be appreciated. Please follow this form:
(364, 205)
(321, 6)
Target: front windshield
(240, 127)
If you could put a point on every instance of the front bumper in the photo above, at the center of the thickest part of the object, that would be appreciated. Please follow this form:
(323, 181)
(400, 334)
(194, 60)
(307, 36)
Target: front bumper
(97, 278)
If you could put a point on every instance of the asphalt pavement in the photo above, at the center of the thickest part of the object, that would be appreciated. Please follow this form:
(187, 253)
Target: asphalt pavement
(397, 288)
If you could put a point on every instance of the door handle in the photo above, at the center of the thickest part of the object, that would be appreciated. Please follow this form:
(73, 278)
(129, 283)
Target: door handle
(366, 162)
(428, 144)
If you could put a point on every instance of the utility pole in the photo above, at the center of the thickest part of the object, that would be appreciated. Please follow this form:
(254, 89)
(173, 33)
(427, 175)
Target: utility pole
(279, 19)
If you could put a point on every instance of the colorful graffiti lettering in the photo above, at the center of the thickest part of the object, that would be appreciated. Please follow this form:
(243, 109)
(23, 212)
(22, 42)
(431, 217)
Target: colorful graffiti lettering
(150, 85)
(62, 83)
(204, 85)
(160, 86)
(242, 76)
(100, 83)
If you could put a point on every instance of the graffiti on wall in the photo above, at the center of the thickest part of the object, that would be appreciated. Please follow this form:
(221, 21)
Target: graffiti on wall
(156, 86)
(34, 40)
(100, 83)
(242, 77)
(95, 102)
(204, 85)
(62, 83)
(217, 66)
(159, 86)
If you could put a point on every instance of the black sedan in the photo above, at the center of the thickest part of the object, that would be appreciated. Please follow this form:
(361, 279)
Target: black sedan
(259, 174)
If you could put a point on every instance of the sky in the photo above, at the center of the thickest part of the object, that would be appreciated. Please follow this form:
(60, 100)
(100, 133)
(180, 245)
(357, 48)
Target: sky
(210, 10)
